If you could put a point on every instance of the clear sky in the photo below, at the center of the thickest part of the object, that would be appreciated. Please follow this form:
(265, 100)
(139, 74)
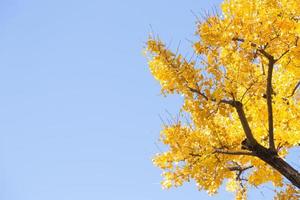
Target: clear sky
(79, 110)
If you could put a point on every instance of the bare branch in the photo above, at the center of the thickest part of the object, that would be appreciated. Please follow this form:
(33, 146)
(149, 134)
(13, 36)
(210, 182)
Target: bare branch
(294, 90)
(269, 104)
(198, 92)
(250, 138)
(239, 153)
(230, 102)
(239, 168)
(247, 89)
(196, 155)
(263, 68)
(282, 55)
(288, 50)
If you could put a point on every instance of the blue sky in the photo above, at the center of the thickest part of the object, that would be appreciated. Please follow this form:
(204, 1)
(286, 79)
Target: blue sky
(79, 109)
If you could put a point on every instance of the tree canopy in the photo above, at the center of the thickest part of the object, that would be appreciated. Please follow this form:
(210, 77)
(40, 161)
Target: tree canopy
(240, 92)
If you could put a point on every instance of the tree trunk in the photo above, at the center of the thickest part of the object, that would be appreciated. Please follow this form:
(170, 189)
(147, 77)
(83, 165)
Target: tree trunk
(277, 163)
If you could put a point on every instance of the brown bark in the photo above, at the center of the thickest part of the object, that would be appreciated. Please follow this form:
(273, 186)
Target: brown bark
(269, 104)
(272, 159)
(269, 156)
(239, 108)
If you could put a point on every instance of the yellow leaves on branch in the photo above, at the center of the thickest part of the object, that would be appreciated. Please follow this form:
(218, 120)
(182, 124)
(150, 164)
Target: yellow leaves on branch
(290, 193)
(263, 174)
(190, 157)
(235, 186)
(232, 49)
(173, 72)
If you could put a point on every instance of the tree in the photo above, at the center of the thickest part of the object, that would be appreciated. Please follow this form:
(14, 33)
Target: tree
(240, 93)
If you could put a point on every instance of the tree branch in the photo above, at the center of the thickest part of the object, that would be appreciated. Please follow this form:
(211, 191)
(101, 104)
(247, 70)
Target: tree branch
(269, 104)
(239, 108)
(198, 92)
(261, 50)
(269, 91)
(294, 90)
(230, 102)
(288, 50)
(282, 55)
(239, 153)
(239, 168)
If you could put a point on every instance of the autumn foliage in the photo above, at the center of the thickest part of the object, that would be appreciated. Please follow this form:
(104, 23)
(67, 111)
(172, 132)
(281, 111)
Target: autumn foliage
(240, 92)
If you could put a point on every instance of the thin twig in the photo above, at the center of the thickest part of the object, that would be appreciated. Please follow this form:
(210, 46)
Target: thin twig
(294, 90)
